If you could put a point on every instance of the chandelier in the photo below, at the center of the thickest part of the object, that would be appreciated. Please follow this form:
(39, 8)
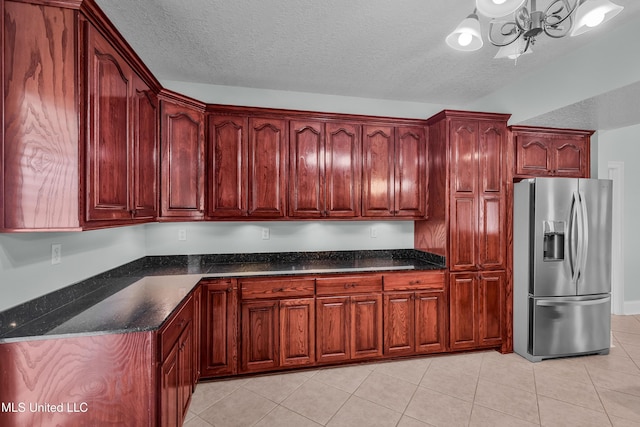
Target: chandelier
(515, 24)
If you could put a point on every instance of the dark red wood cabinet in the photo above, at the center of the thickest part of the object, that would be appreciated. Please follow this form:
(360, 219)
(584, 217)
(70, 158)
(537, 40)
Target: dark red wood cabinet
(478, 239)
(477, 309)
(470, 149)
(551, 152)
(177, 348)
(246, 166)
(277, 323)
(219, 326)
(348, 318)
(394, 171)
(415, 313)
(182, 173)
(324, 169)
(121, 149)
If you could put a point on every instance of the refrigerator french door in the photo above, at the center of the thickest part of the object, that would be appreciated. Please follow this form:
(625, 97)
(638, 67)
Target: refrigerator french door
(562, 267)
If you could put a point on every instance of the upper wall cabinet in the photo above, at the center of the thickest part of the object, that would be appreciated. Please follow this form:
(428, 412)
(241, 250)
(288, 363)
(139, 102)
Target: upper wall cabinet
(477, 194)
(394, 171)
(80, 141)
(246, 166)
(121, 143)
(40, 151)
(551, 152)
(182, 159)
(324, 169)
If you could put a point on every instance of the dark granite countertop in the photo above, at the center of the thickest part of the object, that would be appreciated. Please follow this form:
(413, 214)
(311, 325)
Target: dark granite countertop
(141, 295)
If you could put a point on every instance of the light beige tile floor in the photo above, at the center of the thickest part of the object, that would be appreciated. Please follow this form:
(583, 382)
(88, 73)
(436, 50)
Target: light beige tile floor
(471, 389)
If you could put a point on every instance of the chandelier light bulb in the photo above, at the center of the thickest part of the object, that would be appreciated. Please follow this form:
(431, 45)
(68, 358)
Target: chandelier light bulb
(464, 39)
(594, 18)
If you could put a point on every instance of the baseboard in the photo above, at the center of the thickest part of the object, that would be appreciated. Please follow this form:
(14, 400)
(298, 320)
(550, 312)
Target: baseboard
(632, 307)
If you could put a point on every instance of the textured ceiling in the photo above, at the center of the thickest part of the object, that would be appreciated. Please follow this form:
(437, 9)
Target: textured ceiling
(362, 48)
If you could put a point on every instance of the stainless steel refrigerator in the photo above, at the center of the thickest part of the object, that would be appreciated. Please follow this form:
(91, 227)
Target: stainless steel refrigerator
(561, 267)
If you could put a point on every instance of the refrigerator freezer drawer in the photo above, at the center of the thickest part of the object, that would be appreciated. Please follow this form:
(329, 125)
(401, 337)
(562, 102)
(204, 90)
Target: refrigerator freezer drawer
(563, 326)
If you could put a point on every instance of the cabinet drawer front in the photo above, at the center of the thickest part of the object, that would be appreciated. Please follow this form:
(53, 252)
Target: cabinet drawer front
(170, 332)
(414, 281)
(343, 285)
(277, 288)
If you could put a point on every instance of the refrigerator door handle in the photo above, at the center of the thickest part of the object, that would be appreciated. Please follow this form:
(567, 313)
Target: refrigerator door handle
(554, 303)
(574, 237)
(583, 235)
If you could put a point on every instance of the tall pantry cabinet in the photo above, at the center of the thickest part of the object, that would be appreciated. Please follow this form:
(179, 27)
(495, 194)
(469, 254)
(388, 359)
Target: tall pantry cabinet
(468, 221)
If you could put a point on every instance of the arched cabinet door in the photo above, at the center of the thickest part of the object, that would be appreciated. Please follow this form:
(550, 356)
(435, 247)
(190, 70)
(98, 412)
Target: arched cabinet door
(182, 147)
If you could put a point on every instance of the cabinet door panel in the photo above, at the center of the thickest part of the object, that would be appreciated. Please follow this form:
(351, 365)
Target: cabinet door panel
(378, 171)
(267, 167)
(366, 326)
(260, 335)
(306, 198)
(399, 323)
(219, 319)
(227, 163)
(492, 234)
(491, 310)
(145, 151)
(297, 332)
(410, 174)
(342, 170)
(182, 162)
(170, 414)
(464, 164)
(332, 329)
(570, 158)
(185, 365)
(464, 231)
(110, 82)
(430, 315)
(463, 311)
(491, 156)
(532, 156)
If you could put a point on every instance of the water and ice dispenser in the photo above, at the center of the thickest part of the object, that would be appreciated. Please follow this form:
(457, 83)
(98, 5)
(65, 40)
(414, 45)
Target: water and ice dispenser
(553, 246)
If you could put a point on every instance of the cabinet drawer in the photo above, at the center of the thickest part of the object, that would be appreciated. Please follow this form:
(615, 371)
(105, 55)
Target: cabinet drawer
(414, 281)
(342, 285)
(170, 332)
(277, 288)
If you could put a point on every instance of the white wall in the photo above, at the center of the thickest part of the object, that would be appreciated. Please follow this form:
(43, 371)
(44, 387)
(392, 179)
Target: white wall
(294, 236)
(231, 95)
(623, 145)
(25, 259)
(603, 65)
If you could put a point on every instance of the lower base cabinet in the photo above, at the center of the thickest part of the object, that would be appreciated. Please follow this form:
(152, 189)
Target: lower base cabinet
(415, 322)
(415, 314)
(277, 326)
(348, 326)
(219, 326)
(477, 309)
(177, 366)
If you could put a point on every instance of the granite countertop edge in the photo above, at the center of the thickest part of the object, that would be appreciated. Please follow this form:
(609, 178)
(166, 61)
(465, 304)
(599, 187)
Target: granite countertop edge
(141, 295)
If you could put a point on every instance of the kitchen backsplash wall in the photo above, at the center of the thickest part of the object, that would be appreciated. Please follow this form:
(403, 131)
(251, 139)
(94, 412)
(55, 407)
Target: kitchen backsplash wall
(283, 236)
(26, 271)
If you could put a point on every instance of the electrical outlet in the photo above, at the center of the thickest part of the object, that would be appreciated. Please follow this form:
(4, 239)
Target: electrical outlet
(373, 232)
(182, 234)
(56, 254)
(265, 233)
